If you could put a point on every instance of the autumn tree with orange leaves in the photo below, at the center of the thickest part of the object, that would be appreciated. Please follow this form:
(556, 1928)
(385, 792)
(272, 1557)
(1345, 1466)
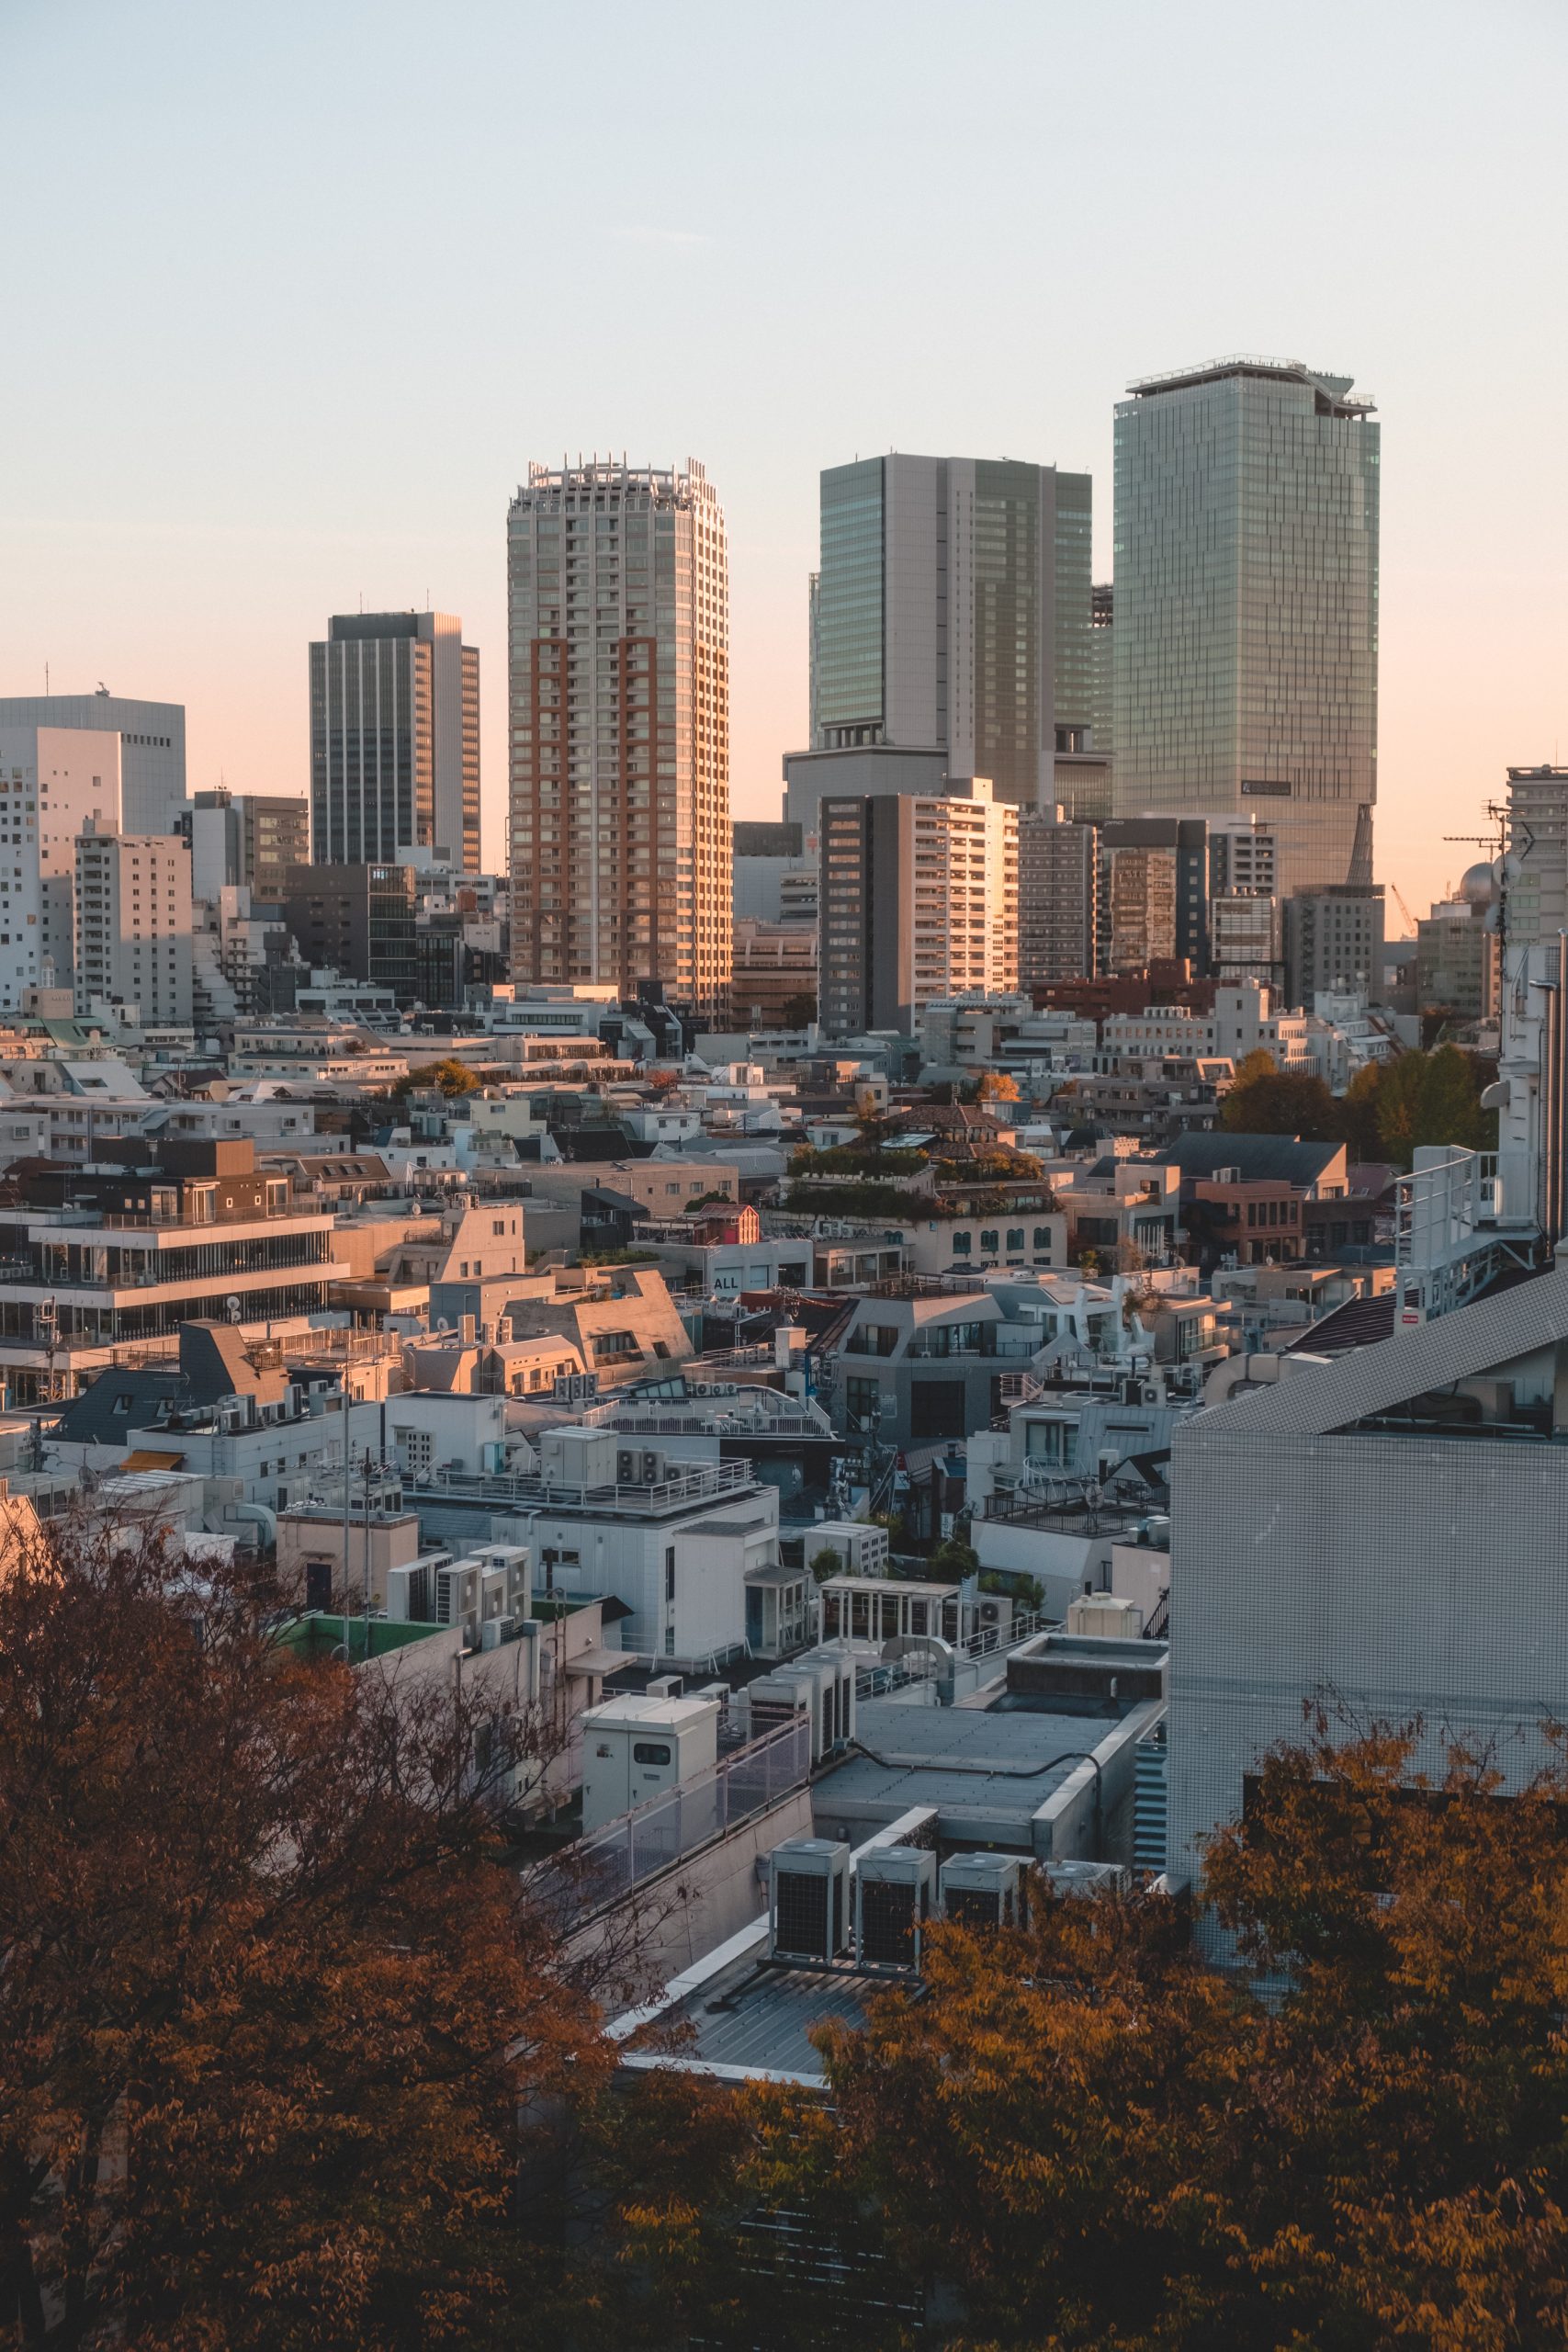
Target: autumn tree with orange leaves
(1084, 2137)
(270, 1997)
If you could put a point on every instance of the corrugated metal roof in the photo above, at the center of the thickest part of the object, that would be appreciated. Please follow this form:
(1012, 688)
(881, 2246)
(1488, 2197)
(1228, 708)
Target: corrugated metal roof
(763, 2020)
(1475, 1338)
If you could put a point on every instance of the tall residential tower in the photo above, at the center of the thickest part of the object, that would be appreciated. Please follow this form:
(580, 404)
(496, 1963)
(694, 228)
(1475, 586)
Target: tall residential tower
(618, 585)
(1246, 638)
(951, 613)
(394, 739)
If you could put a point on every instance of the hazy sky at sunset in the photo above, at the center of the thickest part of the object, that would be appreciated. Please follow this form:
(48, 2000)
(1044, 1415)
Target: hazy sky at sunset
(294, 292)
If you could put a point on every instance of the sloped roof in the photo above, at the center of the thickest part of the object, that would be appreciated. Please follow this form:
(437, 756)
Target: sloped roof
(1272, 1159)
(1474, 1339)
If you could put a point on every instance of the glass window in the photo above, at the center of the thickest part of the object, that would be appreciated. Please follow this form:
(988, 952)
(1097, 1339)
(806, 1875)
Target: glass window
(651, 1751)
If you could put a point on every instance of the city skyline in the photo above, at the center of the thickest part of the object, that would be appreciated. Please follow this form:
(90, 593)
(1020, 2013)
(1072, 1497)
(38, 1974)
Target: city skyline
(155, 566)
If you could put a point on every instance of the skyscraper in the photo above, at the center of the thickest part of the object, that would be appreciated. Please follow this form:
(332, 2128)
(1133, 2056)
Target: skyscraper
(394, 739)
(951, 613)
(618, 584)
(1246, 638)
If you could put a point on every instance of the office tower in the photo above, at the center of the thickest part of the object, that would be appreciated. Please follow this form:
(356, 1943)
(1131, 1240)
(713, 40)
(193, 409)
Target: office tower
(356, 919)
(1244, 936)
(1154, 893)
(1102, 671)
(918, 899)
(618, 584)
(394, 739)
(1244, 646)
(1058, 865)
(133, 924)
(1333, 942)
(951, 613)
(53, 782)
(249, 838)
(151, 763)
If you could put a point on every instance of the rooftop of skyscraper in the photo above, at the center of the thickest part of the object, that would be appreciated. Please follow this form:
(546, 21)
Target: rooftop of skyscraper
(1333, 390)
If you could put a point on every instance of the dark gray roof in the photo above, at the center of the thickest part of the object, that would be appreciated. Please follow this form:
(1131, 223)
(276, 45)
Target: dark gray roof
(1474, 1339)
(1272, 1159)
(118, 1402)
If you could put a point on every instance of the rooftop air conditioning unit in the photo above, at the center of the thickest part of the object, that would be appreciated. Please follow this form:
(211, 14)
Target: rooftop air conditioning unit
(1087, 1878)
(809, 1900)
(895, 1890)
(496, 1630)
(984, 1889)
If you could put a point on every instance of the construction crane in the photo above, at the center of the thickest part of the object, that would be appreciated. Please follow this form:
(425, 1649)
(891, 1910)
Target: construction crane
(1399, 902)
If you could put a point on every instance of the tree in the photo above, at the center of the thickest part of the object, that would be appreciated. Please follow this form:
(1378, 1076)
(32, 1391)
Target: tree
(827, 1562)
(1280, 1103)
(798, 1012)
(1448, 1107)
(952, 1560)
(1093, 2138)
(449, 1076)
(996, 1086)
(270, 1997)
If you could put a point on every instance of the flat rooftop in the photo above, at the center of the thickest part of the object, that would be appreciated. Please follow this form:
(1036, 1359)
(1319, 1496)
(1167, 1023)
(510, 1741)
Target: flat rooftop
(989, 1766)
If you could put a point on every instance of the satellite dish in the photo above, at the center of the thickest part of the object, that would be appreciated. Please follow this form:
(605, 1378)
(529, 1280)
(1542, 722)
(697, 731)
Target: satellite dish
(441, 1324)
(232, 1303)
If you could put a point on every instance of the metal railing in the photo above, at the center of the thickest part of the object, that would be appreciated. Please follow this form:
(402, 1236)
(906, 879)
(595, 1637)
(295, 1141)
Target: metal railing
(702, 1482)
(607, 1865)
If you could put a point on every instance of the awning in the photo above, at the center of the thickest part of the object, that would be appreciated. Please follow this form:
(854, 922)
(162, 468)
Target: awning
(597, 1662)
(142, 1460)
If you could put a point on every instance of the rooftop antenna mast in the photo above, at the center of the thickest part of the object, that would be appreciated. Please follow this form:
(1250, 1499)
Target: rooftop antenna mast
(1496, 844)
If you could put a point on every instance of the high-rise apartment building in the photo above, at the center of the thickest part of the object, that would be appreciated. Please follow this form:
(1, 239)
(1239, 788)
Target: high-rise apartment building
(134, 924)
(152, 762)
(950, 613)
(918, 899)
(394, 739)
(1058, 867)
(618, 584)
(1246, 638)
(54, 781)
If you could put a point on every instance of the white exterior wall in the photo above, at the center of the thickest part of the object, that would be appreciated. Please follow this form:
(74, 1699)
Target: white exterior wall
(55, 780)
(133, 924)
(627, 1558)
(430, 1427)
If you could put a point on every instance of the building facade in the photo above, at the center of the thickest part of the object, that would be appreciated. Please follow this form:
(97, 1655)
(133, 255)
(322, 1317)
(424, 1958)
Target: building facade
(358, 919)
(53, 782)
(1334, 939)
(133, 924)
(951, 612)
(618, 585)
(394, 738)
(152, 762)
(918, 899)
(1246, 641)
(1154, 893)
(1057, 898)
(774, 973)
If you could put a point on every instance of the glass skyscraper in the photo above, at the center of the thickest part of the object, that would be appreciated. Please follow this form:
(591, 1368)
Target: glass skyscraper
(950, 613)
(1246, 638)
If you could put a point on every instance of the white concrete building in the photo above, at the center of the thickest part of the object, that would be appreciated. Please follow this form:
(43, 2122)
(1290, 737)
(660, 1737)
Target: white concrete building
(134, 922)
(151, 764)
(53, 782)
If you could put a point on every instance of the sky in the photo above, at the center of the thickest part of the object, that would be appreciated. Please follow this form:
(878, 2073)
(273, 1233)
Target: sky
(297, 289)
